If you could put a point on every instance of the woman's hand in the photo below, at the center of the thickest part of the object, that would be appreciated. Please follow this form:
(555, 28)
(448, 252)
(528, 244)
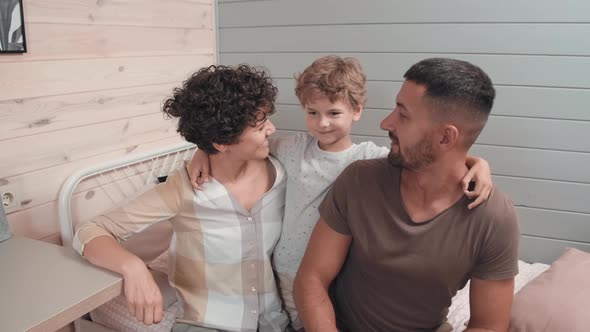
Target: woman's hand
(480, 173)
(198, 169)
(144, 299)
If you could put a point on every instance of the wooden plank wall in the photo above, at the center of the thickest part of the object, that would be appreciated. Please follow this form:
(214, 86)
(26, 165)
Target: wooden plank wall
(90, 89)
(538, 55)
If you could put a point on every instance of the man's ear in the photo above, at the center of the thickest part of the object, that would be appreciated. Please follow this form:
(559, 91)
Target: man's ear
(357, 111)
(449, 136)
(220, 147)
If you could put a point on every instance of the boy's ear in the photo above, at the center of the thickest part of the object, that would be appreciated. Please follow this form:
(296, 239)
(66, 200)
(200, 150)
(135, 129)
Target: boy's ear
(357, 111)
(220, 147)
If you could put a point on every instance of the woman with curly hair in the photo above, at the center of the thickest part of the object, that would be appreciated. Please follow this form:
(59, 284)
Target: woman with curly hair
(223, 235)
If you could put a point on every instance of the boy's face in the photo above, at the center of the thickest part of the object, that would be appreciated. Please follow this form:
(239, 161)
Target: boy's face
(331, 122)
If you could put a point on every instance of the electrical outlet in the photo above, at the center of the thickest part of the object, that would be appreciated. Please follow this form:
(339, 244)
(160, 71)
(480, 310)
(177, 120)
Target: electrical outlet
(9, 198)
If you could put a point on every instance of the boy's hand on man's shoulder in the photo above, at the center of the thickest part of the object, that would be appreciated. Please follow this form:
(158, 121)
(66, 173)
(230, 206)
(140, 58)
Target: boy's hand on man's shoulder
(481, 174)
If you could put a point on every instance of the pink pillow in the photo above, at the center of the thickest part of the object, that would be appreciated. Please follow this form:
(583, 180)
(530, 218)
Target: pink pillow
(558, 299)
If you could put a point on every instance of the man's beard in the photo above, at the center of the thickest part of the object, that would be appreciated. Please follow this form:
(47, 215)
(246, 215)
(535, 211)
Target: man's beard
(414, 158)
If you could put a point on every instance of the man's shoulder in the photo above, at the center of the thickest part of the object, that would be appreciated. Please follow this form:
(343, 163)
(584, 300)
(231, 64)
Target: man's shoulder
(498, 202)
(370, 165)
(498, 210)
(366, 171)
(497, 238)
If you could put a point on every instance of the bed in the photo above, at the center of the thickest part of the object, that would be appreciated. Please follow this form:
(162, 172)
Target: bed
(459, 310)
(95, 189)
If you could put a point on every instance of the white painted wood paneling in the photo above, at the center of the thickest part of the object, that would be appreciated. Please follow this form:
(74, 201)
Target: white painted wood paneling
(536, 163)
(554, 195)
(558, 224)
(508, 38)
(311, 12)
(538, 249)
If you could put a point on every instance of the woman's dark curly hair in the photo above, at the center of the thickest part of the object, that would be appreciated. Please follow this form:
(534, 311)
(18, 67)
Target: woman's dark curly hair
(217, 103)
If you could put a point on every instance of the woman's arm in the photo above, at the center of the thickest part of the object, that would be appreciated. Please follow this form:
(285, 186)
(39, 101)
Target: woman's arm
(144, 300)
(98, 241)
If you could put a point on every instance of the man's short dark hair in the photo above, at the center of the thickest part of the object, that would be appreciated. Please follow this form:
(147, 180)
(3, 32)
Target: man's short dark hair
(217, 103)
(454, 82)
(457, 90)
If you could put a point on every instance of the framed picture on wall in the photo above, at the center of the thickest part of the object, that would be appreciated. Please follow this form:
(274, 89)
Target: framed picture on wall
(12, 27)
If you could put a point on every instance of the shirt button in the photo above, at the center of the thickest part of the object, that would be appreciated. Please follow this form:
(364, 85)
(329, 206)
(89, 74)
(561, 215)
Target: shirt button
(254, 289)
(252, 265)
(254, 312)
(249, 218)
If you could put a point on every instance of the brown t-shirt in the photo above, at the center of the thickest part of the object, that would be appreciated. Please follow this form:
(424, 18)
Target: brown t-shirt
(400, 275)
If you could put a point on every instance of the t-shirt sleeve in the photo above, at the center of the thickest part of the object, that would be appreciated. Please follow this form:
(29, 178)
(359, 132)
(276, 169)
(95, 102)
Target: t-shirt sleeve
(334, 207)
(370, 150)
(283, 146)
(498, 258)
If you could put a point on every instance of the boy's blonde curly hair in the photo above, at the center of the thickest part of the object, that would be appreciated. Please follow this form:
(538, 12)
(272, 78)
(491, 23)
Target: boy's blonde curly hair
(333, 77)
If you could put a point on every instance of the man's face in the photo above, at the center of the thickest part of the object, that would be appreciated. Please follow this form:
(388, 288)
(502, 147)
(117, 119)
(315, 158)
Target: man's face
(411, 129)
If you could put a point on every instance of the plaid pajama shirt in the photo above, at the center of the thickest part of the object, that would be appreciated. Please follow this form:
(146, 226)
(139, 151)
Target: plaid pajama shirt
(220, 253)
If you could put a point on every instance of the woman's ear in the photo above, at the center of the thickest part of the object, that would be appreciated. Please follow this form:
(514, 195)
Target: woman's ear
(220, 147)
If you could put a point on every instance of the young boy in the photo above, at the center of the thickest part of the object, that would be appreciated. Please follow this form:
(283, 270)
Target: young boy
(332, 92)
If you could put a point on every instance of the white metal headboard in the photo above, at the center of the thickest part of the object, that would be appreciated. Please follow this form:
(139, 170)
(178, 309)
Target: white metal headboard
(150, 167)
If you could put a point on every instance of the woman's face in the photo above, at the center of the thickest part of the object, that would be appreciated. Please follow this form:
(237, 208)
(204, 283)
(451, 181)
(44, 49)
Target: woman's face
(253, 142)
